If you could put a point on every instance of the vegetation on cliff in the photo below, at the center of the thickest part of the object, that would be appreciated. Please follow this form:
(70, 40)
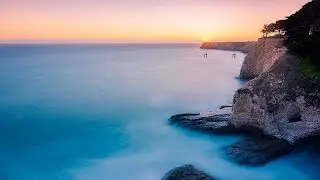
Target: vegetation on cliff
(302, 32)
(276, 29)
(303, 36)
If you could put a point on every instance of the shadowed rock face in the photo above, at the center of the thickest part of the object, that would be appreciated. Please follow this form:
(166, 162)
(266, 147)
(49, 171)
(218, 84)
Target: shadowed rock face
(261, 57)
(281, 102)
(255, 151)
(187, 172)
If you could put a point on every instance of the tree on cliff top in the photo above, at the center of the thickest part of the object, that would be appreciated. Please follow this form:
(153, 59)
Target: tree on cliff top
(302, 31)
(277, 29)
(263, 31)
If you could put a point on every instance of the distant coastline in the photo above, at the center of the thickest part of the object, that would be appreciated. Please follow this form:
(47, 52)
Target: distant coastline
(244, 47)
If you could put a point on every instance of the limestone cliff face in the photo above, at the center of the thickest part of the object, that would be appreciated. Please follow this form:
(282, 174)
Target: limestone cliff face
(244, 47)
(261, 57)
(281, 102)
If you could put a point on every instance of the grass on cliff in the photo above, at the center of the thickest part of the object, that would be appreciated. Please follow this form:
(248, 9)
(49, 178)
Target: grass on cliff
(309, 69)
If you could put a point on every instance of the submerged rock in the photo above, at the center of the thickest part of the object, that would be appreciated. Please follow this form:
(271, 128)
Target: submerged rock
(186, 172)
(214, 121)
(257, 151)
(281, 102)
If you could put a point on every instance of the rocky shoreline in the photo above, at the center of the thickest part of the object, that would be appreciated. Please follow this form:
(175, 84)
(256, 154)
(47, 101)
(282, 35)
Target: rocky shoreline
(276, 111)
(255, 149)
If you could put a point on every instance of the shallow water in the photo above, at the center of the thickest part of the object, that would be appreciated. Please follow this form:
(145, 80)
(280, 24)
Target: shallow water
(95, 112)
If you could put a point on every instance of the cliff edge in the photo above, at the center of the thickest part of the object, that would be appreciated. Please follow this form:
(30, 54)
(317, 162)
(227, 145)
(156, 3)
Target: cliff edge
(261, 56)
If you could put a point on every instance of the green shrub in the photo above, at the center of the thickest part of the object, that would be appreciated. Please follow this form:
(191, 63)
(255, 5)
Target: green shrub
(302, 35)
(302, 31)
(309, 69)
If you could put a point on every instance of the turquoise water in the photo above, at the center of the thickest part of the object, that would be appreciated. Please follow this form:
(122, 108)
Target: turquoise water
(99, 112)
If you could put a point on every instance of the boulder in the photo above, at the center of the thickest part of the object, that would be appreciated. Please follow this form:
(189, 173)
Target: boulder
(186, 172)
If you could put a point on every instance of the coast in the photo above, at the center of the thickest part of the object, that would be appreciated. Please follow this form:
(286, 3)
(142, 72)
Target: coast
(277, 110)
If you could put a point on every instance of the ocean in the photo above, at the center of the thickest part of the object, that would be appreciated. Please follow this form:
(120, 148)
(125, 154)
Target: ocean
(100, 111)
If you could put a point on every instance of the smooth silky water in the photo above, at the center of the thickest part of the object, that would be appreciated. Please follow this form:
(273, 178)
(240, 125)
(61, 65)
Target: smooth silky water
(99, 112)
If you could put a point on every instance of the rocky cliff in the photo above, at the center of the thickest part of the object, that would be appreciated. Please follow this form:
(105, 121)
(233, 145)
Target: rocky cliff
(280, 107)
(282, 102)
(261, 56)
(244, 47)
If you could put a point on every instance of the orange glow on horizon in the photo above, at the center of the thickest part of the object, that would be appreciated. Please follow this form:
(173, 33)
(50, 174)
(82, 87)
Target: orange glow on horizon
(30, 20)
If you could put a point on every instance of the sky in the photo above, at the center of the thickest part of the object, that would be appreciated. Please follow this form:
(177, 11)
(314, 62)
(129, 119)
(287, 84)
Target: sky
(139, 20)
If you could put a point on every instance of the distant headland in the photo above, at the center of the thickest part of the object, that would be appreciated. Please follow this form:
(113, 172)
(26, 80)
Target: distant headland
(244, 47)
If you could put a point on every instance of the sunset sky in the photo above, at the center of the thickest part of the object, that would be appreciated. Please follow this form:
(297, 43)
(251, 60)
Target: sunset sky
(139, 20)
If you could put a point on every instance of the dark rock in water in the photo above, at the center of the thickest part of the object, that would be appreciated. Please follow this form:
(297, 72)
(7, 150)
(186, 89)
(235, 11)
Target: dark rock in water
(175, 118)
(257, 151)
(187, 172)
(214, 121)
(225, 106)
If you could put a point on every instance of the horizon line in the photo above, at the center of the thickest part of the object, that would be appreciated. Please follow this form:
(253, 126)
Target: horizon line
(116, 42)
(98, 42)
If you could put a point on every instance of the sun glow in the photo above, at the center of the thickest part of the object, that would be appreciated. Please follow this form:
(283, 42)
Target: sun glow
(136, 20)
